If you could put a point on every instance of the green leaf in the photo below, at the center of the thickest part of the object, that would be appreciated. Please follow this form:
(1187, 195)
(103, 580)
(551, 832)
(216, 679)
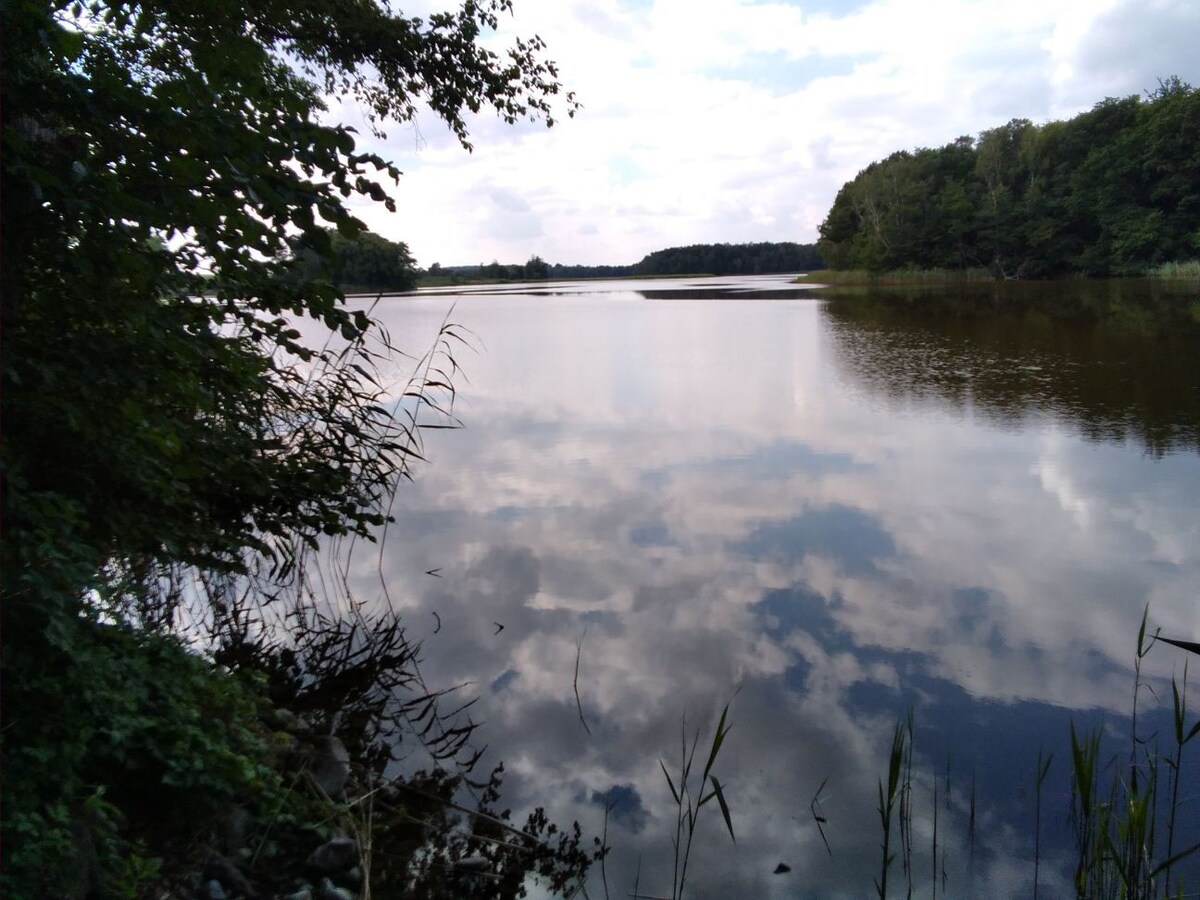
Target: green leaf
(1191, 646)
(670, 783)
(718, 740)
(724, 806)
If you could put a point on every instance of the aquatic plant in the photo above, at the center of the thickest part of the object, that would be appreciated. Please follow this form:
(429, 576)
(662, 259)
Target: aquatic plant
(692, 796)
(1188, 268)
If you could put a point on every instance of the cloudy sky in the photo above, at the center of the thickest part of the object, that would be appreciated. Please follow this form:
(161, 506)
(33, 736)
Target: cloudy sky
(736, 121)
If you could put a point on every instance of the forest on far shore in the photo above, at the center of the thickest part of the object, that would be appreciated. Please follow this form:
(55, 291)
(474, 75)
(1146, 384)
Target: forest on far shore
(1113, 191)
(763, 258)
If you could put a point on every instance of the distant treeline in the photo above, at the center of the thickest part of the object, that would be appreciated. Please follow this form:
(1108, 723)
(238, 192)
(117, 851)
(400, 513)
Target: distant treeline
(1113, 191)
(731, 259)
(698, 259)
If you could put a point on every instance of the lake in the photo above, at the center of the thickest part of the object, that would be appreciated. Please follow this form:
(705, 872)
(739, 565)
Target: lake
(826, 509)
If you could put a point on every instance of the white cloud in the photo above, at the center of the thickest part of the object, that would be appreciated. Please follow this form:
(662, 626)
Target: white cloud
(741, 120)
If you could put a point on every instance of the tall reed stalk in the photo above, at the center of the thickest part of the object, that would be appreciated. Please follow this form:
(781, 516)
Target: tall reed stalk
(1043, 769)
(1188, 268)
(691, 797)
(891, 796)
(1117, 835)
(1120, 809)
(1182, 735)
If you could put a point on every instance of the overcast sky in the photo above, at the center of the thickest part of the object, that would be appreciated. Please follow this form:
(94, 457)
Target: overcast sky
(736, 121)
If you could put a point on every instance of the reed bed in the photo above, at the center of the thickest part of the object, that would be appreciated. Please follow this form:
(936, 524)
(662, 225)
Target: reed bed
(1124, 807)
(896, 277)
(1188, 268)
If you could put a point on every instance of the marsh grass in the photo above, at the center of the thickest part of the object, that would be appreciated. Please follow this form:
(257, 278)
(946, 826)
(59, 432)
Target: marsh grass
(1117, 818)
(1043, 769)
(914, 277)
(1124, 808)
(899, 763)
(692, 795)
(1189, 268)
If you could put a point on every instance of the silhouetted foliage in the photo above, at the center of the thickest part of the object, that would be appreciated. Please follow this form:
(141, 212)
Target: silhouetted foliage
(364, 263)
(731, 259)
(165, 419)
(698, 259)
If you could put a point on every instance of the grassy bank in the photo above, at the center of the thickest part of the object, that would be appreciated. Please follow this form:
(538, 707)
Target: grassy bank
(1186, 269)
(899, 276)
(1182, 269)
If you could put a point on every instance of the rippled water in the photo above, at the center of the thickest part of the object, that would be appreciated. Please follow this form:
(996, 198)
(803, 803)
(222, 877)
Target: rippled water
(826, 511)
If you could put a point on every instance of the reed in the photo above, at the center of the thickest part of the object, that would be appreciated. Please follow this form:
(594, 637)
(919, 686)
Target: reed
(899, 763)
(1043, 769)
(1124, 809)
(1117, 834)
(1124, 806)
(898, 276)
(1188, 268)
(691, 796)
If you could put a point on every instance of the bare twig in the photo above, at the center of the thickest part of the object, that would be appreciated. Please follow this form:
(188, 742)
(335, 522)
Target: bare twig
(815, 808)
(578, 703)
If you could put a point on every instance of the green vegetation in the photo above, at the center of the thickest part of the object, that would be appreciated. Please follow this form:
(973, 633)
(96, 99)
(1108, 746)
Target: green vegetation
(691, 796)
(364, 263)
(731, 259)
(1113, 191)
(1123, 811)
(1120, 849)
(1189, 268)
(914, 277)
(176, 456)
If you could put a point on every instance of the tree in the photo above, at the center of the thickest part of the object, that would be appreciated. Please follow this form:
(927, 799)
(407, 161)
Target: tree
(162, 163)
(1111, 191)
(536, 268)
(363, 263)
(730, 259)
(162, 159)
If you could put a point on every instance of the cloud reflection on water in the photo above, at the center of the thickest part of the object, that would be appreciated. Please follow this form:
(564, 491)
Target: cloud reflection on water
(695, 498)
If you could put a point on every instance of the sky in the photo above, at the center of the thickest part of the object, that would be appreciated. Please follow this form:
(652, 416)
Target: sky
(737, 121)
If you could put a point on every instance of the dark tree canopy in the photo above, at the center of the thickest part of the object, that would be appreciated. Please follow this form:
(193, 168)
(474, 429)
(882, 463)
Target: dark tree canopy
(731, 259)
(363, 263)
(1113, 191)
(163, 160)
(164, 163)
(764, 258)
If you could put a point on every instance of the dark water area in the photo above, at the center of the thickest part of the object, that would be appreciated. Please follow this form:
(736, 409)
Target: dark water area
(826, 508)
(1120, 359)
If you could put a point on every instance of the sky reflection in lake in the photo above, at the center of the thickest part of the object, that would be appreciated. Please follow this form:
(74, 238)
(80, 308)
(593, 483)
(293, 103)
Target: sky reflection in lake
(740, 500)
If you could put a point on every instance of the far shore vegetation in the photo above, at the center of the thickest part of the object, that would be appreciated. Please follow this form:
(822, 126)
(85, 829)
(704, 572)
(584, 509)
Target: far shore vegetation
(1113, 191)
(696, 260)
(1187, 270)
(896, 276)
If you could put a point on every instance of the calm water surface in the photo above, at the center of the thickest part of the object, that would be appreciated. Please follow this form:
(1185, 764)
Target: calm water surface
(826, 512)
